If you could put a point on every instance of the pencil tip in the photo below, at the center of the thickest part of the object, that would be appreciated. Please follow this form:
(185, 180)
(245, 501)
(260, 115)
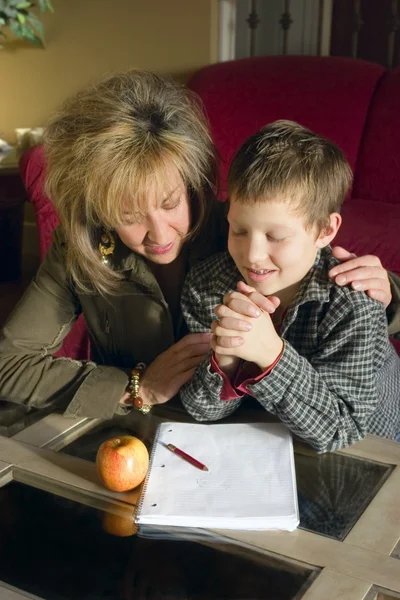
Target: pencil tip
(205, 468)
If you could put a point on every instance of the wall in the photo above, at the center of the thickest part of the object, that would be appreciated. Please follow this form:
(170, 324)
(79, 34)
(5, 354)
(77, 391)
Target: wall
(87, 38)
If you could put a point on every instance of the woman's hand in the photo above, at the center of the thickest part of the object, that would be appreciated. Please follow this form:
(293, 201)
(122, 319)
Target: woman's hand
(165, 376)
(364, 273)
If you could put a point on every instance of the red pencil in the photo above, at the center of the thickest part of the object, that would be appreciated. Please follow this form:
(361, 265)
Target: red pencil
(185, 456)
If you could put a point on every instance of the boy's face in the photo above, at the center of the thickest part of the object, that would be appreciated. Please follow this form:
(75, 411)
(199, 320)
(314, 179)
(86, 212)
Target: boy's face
(271, 247)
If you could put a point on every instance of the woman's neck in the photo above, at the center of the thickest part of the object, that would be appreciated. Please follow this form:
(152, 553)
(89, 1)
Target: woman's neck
(170, 278)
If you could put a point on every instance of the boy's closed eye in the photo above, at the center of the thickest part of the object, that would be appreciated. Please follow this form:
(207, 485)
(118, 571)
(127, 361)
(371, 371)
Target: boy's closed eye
(270, 237)
(275, 239)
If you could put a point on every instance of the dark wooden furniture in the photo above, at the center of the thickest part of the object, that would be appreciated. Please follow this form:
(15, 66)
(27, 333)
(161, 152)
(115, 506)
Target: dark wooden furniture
(12, 198)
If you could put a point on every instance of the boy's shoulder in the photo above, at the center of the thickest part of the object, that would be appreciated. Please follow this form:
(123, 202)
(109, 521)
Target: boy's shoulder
(218, 272)
(343, 299)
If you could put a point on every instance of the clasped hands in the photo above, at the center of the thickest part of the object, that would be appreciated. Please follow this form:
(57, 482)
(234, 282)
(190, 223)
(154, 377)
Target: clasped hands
(245, 330)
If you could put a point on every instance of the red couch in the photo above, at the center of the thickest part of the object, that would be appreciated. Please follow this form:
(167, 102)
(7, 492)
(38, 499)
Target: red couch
(32, 165)
(355, 103)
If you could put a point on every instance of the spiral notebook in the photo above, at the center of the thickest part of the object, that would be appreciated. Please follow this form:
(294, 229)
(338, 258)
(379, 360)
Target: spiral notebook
(250, 484)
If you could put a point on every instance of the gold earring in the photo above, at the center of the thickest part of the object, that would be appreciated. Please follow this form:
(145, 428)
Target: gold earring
(106, 246)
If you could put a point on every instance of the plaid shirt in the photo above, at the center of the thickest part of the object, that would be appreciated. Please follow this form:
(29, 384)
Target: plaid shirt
(338, 377)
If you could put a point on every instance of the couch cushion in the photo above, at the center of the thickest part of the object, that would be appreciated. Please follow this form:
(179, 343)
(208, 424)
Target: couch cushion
(32, 169)
(331, 95)
(377, 175)
(371, 228)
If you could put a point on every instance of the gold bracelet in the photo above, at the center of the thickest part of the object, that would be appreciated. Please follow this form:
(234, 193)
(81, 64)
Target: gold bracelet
(133, 389)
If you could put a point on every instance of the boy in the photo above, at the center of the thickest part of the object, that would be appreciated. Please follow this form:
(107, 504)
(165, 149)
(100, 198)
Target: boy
(321, 361)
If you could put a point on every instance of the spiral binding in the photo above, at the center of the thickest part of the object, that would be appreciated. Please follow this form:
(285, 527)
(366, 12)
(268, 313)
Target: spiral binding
(146, 481)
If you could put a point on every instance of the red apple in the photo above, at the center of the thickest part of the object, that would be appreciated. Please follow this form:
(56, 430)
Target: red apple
(122, 463)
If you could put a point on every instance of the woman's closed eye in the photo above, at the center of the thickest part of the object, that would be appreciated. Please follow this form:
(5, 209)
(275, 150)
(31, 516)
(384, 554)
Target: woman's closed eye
(171, 204)
(238, 233)
(130, 219)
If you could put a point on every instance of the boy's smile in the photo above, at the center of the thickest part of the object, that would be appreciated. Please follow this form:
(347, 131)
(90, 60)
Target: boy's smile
(260, 275)
(271, 246)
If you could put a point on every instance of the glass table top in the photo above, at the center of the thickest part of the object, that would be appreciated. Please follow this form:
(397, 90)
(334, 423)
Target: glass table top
(333, 489)
(59, 549)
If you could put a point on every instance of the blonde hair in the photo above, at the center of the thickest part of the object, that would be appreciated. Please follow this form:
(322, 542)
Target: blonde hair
(286, 161)
(104, 148)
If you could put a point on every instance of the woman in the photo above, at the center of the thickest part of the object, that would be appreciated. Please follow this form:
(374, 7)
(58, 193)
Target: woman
(131, 171)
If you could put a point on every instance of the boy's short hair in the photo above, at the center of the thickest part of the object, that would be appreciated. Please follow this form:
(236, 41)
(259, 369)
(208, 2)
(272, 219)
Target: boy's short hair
(285, 159)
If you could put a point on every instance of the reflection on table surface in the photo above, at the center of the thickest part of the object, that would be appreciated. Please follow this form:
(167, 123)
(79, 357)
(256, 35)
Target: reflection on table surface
(60, 550)
(396, 551)
(380, 594)
(333, 489)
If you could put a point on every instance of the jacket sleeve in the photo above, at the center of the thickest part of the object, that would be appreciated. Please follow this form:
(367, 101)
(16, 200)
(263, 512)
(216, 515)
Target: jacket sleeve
(393, 310)
(201, 396)
(328, 399)
(29, 374)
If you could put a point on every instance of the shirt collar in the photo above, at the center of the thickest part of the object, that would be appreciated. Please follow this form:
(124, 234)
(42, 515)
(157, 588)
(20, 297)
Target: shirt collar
(316, 285)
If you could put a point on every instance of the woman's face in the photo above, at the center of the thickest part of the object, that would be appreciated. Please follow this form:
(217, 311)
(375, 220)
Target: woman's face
(160, 234)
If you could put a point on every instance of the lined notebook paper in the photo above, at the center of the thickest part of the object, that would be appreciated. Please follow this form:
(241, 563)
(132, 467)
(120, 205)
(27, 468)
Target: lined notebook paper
(250, 484)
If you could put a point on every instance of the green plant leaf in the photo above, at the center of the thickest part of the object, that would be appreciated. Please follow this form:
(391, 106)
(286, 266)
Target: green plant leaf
(45, 5)
(10, 12)
(36, 24)
(14, 3)
(30, 35)
(22, 23)
(16, 28)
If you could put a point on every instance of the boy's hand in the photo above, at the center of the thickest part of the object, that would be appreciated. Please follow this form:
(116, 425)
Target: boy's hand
(267, 303)
(233, 306)
(227, 364)
(364, 273)
(258, 341)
